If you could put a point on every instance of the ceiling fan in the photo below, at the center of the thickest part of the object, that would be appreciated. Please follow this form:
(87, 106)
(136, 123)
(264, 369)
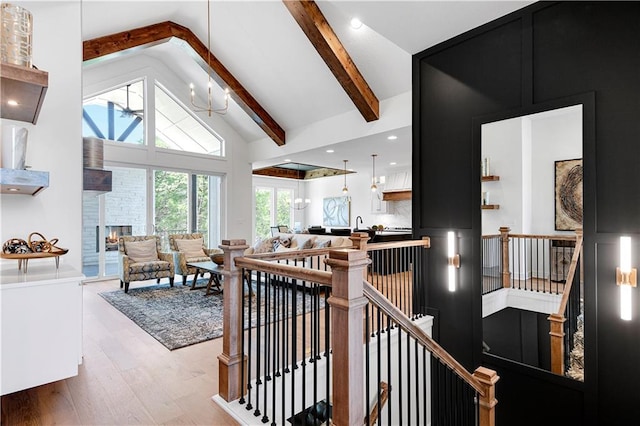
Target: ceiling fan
(128, 112)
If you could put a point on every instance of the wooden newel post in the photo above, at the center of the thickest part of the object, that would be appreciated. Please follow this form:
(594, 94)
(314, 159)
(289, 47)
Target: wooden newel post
(231, 362)
(359, 240)
(556, 325)
(347, 303)
(488, 402)
(506, 275)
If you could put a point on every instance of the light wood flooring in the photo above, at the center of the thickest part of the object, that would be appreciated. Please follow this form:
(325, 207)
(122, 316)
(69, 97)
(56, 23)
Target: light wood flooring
(127, 378)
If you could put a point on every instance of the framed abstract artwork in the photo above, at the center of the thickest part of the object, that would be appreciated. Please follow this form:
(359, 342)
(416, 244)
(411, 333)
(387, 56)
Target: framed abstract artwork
(568, 195)
(336, 211)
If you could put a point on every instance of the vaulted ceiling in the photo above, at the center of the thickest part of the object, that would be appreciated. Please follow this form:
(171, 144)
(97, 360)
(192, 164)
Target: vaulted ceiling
(272, 49)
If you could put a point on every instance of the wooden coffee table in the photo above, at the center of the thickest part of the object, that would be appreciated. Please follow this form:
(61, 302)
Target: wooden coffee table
(215, 272)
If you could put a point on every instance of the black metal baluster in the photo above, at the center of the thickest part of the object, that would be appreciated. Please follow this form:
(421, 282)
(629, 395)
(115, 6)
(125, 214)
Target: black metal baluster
(367, 366)
(328, 359)
(249, 334)
(304, 344)
(379, 365)
(294, 344)
(275, 338)
(242, 327)
(258, 339)
(424, 386)
(267, 343)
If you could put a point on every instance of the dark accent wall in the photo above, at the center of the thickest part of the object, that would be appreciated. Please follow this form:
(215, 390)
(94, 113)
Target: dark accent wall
(541, 57)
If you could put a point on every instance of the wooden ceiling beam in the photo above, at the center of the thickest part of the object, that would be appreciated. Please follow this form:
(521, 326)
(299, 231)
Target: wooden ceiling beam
(144, 37)
(280, 172)
(313, 23)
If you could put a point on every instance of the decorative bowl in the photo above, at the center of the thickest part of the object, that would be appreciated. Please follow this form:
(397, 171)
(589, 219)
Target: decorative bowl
(218, 258)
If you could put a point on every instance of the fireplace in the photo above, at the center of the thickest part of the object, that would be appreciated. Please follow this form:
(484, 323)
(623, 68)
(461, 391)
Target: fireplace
(111, 234)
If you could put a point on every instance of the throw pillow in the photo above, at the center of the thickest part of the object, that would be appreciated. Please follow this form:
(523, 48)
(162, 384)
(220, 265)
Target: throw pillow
(285, 241)
(309, 243)
(322, 244)
(282, 248)
(191, 248)
(264, 246)
(141, 251)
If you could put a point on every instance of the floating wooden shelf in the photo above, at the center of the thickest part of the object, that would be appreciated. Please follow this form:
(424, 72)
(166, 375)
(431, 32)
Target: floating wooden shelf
(24, 182)
(490, 178)
(490, 206)
(397, 195)
(26, 86)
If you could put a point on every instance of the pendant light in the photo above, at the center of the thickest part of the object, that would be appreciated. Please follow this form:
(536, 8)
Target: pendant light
(374, 188)
(345, 189)
(209, 108)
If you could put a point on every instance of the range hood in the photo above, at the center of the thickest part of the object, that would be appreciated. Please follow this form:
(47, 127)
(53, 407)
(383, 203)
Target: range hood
(94, 178)
(397, 187)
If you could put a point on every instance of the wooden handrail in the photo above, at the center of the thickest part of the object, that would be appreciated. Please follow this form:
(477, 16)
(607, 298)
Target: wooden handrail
(571, 274)
(296, 272)
(545, 237)
(417, 333)
(377, 408)
(556, 321)
(425, 242)
(295, 254)
(541, 237)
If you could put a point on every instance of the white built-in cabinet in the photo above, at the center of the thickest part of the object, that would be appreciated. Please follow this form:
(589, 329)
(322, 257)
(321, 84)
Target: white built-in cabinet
(41, 324)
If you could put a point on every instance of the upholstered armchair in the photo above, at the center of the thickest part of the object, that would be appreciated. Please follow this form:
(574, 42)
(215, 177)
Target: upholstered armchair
(140, 259)
(189, 248)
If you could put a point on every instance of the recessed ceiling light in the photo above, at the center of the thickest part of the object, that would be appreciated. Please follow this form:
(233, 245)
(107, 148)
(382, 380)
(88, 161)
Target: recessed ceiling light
(12, 102)
(392, 137)
(356, 23)
(393, 163)
(287, 160)
(13, 189)
(330, 151)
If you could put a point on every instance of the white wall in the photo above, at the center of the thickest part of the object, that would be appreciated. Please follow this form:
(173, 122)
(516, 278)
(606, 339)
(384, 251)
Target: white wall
(501, 144)
(523, 152)
(398, 212)
(55, 142)
(554, 138)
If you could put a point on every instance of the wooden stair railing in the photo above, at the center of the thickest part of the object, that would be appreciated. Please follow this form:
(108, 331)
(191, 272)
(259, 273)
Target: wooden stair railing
(349, 296)
(482, 380)
(377, 408)
(557, 320)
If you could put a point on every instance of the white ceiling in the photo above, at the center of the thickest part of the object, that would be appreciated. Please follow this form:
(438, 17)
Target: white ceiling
(265, 49)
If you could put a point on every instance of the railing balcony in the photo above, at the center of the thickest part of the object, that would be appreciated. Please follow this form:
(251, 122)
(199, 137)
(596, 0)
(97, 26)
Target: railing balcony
(308, 336)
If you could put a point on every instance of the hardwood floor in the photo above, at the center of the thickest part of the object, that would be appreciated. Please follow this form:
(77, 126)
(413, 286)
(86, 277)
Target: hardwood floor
(127, 378)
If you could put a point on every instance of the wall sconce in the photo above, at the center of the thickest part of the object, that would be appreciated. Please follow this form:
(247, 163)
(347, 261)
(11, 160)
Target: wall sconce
(453, 260)
(626, 278)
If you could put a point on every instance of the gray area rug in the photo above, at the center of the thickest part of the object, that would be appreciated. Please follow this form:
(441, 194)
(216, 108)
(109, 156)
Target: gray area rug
(178, 316)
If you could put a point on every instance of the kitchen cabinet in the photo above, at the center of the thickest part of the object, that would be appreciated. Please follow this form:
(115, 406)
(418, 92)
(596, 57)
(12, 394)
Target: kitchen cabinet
(41, 324)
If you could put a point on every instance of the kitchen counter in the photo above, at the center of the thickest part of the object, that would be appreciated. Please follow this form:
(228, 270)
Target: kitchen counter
(386, 236)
